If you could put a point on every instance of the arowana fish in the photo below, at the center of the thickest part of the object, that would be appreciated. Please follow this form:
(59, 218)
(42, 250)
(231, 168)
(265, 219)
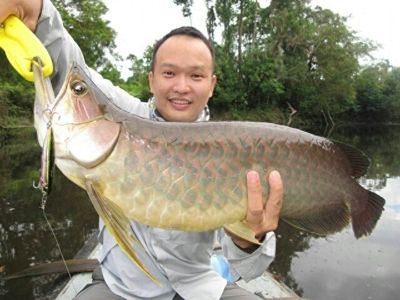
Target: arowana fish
(192, 176)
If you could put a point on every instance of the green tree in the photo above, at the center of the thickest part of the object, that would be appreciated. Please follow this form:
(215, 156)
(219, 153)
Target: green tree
(230, 93)
(137, 84)
(333, 59)
(378, 93)
(287, 54)
(83, 19)
(371, 99)
(186, 7)
(391, 91)
(16, 96)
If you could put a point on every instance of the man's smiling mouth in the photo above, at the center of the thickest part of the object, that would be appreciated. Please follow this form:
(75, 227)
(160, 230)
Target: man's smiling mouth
(180, 101)
(180, 104)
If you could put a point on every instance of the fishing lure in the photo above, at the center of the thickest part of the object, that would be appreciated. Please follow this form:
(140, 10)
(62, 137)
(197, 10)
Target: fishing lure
(21, 46)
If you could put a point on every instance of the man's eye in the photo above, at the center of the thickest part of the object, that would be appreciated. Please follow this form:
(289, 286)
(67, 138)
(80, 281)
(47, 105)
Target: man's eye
(197, 76)
(168, 73)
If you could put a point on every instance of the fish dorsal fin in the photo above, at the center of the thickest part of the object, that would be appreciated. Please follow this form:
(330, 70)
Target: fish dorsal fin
(359, 162)
(93, 142)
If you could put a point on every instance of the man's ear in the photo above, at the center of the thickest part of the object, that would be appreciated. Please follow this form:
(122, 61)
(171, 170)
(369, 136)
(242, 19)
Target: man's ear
(213, 83)
(150, 77)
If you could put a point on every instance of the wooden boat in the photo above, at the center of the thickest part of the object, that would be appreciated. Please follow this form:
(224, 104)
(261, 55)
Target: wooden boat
(66, 288)
(265, 286)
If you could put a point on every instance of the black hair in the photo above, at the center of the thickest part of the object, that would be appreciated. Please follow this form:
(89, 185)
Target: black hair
(188, 31)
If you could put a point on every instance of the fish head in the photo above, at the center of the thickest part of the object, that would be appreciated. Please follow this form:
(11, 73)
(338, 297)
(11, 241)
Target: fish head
(77, 101)
(82, 133)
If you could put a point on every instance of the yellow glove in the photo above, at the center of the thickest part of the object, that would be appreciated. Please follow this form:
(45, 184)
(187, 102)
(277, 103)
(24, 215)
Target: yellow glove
(21, 46)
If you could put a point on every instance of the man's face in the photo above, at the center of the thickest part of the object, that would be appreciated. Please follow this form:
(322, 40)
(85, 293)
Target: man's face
(182, 79)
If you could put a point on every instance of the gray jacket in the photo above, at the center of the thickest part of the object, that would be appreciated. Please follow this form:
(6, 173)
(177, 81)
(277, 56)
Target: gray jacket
(181, 260)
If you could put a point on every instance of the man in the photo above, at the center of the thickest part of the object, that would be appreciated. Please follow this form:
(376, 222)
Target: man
(182, 81)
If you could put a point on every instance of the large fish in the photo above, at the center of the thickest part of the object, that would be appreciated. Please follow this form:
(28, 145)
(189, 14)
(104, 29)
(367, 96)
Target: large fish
(192, 176)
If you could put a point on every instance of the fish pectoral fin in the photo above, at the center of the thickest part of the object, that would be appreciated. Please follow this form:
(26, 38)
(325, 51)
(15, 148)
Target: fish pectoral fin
(118, 225)
(243, 231)
(322, 223)
(93, 142)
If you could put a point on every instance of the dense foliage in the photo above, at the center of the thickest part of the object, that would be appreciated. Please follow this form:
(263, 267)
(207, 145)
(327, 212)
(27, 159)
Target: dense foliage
(287, 59)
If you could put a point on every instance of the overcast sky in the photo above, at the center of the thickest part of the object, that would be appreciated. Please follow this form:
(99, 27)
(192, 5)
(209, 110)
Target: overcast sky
(139, 23)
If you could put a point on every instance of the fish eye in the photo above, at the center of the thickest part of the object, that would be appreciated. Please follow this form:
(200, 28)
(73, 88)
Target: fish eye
(79, 87)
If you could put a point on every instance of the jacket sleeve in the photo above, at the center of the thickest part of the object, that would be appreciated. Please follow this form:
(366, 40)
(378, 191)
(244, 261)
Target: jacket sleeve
(244, 265)
(64, 51)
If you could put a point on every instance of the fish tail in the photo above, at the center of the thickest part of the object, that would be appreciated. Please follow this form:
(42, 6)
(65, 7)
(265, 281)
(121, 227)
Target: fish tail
(365, 213)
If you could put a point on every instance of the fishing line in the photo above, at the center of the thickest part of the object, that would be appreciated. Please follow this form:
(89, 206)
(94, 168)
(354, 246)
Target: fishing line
(44, 85)
(43, 208)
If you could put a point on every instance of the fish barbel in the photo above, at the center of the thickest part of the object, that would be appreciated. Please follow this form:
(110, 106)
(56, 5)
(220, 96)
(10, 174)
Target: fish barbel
(192, 176)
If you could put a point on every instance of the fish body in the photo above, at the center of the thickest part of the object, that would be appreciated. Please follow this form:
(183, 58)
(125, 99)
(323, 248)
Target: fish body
(192, 176)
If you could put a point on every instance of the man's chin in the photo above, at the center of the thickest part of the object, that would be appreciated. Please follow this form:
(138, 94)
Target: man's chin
(180, 118)
(174, 115)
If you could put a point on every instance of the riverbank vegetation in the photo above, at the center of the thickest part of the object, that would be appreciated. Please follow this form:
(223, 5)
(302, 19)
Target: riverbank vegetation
(289, 63)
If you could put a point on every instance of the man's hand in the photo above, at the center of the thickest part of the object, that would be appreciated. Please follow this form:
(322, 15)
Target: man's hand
(26, 10)
(261, 218)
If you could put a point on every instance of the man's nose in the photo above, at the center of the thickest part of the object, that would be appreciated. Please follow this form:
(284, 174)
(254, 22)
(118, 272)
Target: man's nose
(181, 84)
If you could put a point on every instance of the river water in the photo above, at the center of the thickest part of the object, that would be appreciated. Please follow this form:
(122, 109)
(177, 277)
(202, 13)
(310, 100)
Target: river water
(335, 267)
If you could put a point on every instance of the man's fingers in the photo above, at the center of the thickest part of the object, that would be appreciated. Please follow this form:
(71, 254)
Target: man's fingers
(27, 10)
(275, 198)
(262, 218)
(5, 10)
(255, 210)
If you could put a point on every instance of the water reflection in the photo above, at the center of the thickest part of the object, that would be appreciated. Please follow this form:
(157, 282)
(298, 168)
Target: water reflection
(24, 236)
(336, 267)
(392, 190)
